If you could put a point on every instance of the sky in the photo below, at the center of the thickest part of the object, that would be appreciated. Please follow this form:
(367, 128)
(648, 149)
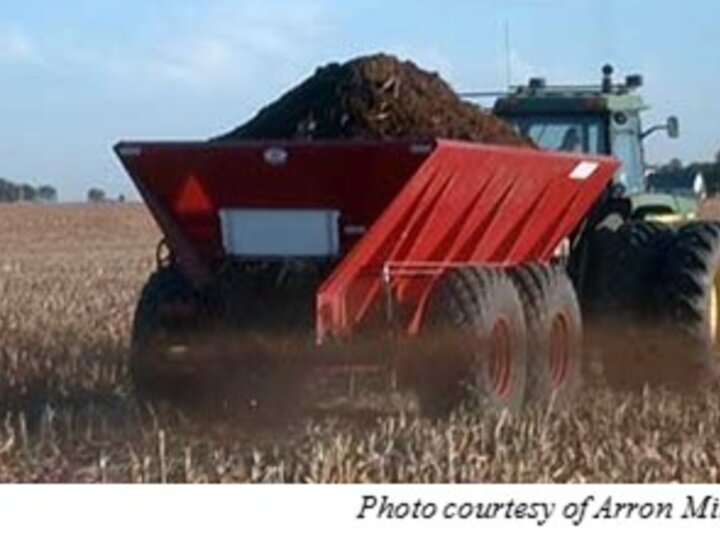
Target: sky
(76, 76)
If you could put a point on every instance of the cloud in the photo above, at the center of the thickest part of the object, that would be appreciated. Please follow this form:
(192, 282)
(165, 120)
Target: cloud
(236, 43)
(16, 47)
(216, 46)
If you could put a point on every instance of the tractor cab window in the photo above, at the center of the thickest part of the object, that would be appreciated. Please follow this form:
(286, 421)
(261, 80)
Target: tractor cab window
(627, 147)
(564, 134)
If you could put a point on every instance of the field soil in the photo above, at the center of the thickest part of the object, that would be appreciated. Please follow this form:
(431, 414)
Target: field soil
(69, 280)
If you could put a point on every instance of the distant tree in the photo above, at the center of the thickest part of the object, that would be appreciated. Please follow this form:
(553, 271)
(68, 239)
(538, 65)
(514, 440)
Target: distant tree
(8, 191)
(95, 195)
(27, 193)
(15, 192)
(47, 194)
(121, 198)
(675, 164)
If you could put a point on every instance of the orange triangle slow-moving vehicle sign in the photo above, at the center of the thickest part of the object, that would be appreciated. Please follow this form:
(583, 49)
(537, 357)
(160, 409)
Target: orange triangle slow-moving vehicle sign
(192, 198)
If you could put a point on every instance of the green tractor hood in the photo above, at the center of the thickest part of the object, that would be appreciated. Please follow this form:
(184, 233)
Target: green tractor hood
(664, 207)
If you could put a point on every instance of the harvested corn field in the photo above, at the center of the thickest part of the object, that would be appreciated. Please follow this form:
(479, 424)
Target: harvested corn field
(69, 280)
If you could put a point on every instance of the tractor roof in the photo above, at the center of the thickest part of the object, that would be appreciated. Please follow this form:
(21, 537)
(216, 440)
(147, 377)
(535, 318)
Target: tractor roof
(568, 100)
(537, 97)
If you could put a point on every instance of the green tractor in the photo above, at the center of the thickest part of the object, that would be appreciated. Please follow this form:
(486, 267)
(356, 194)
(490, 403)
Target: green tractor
(603, 119)
(650, 285)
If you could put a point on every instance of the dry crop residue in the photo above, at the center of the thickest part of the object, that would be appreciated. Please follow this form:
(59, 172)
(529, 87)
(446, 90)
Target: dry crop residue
(69, 280)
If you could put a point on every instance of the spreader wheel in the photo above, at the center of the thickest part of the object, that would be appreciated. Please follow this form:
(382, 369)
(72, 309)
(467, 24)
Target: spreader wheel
(474, 343)
(554, 325)
(165, 315)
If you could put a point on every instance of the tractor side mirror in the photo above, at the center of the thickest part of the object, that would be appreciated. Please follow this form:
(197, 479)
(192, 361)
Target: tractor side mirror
(672, 126)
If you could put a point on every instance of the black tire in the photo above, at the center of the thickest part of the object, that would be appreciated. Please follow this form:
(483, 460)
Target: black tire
(234, 345)
(617, 269)
(474, 345)
(687, 301)
(554, 326)
(166, 314)
(617, 303)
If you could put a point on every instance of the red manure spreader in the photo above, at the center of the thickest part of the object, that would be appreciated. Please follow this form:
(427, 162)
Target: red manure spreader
(461, 264)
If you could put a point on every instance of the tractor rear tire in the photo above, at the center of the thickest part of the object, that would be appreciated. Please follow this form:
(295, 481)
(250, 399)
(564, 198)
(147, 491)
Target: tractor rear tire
(554, 324)
(616, 301)
(617, 268)
(688, 298)
(474, 344)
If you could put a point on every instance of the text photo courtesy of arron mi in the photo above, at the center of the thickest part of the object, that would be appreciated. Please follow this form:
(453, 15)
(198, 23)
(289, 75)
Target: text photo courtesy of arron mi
(589, 507)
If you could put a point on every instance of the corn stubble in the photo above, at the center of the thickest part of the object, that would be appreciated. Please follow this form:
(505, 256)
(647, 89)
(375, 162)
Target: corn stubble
(69, 280)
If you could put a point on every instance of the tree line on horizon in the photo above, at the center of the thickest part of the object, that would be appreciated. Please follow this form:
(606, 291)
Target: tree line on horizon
(710, 171)
(12, 192)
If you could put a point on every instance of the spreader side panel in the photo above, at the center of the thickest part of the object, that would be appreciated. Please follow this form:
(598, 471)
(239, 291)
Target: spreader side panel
(468, 203)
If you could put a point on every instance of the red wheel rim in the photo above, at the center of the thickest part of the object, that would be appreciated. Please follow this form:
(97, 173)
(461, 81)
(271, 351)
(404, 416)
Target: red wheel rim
(501, 357)
(559, 348)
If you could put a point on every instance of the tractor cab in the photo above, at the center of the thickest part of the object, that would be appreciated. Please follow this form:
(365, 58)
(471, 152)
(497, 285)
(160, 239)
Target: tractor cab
(594, 119)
